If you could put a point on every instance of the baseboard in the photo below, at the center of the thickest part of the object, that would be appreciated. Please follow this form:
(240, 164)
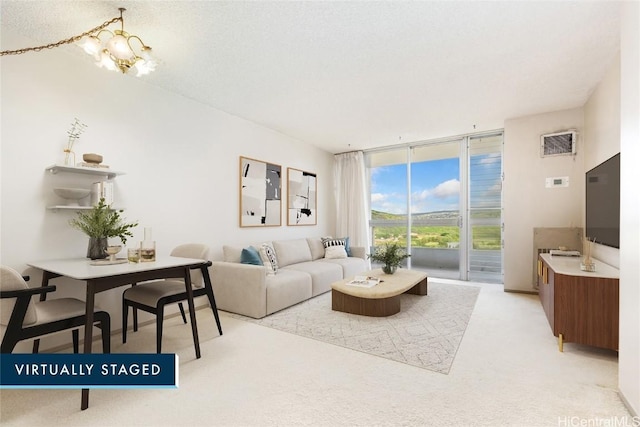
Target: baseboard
(634, 414)
(518, 291)
(98, 337)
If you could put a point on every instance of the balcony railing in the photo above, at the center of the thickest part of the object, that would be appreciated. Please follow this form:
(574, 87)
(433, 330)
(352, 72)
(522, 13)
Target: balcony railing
(435, 246)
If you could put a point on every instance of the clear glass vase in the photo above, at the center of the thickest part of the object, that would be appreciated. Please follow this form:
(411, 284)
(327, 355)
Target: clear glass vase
(389, 269)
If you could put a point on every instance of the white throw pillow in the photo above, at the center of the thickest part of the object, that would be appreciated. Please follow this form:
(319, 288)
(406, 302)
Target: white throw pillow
(268, 255)
(335, 252)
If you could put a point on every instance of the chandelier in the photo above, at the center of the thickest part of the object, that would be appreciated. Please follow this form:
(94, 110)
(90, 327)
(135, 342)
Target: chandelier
(115, 51)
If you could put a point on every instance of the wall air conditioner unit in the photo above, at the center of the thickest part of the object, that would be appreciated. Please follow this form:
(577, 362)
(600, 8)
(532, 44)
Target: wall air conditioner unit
(558, 144)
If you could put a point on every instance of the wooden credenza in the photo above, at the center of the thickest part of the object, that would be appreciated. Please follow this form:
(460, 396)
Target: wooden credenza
(581, 307)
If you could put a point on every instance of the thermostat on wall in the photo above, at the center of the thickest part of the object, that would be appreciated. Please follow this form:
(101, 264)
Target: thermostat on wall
(558, 181)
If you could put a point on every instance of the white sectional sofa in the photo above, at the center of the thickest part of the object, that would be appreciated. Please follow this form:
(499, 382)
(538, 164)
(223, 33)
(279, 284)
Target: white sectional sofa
(303, 272)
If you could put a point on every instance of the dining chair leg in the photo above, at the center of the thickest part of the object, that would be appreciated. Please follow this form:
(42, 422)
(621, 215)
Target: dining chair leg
(105, 328)
(184, 317)
(135, 319)
(212, 298)
(159, 318)
(36, 345)
(125, 317)
(8, 344)
(76, 341)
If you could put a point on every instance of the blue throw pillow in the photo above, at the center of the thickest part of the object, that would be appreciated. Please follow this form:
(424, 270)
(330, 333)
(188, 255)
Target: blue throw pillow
(250, 255)
(347, 248)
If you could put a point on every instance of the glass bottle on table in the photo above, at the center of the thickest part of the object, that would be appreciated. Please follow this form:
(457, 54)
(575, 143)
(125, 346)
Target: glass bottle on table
(147, 247)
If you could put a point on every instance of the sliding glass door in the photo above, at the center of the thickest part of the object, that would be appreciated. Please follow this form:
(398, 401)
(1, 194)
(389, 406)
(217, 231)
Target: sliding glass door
(442, 201)
(389, 188)
(436, 206)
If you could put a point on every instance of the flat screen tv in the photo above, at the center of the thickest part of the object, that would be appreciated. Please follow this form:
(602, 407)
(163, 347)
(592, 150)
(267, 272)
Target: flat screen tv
(603, 203)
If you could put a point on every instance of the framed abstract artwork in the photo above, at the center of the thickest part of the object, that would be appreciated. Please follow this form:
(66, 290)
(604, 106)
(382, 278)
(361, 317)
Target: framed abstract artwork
(260, 193)
(301, 197)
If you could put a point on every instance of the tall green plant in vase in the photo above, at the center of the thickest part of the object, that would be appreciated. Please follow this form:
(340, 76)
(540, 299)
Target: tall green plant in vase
(101, 223)
(390, 256)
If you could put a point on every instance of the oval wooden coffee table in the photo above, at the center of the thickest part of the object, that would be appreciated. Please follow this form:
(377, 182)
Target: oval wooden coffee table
(380, 300)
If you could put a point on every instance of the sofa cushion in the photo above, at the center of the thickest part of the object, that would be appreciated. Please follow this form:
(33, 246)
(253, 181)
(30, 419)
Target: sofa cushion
(316, 247)
(231, 253)
(351, 266)
(292, 251)
(268, 255)
(251, 255)
(323, 274)
(287, 288)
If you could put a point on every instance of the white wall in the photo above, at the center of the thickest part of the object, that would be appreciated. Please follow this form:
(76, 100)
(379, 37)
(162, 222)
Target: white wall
(611, 125)
(629, 367)
(181, 160)
(527, 202)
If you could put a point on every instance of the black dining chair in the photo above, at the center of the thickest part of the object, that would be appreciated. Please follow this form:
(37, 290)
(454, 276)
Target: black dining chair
(153, 296)
(26, 320)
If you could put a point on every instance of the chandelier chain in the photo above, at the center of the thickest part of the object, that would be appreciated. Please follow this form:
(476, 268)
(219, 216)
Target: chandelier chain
(62, 42)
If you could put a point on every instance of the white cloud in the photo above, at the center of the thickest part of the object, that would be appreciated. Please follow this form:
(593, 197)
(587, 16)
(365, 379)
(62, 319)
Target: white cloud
(440, 191)
(378, 197)
(446, 189)
(490, 159)
(391, 203)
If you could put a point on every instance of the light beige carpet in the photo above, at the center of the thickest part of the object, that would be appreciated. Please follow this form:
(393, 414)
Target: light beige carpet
(426, 333)
(507, 372)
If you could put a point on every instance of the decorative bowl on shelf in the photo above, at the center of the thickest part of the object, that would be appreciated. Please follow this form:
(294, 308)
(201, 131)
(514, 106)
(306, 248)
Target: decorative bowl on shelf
(72, 195)
(92, 158)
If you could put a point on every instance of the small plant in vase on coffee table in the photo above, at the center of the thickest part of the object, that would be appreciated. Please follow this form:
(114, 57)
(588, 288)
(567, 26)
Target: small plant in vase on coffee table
(390, 256)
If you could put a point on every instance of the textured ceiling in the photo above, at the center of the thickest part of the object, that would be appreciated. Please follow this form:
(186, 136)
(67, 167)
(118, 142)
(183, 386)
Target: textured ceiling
(357, 75)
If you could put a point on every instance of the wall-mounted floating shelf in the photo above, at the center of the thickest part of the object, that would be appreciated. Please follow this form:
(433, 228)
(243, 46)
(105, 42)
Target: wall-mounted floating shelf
(53, 169)
(101, 172)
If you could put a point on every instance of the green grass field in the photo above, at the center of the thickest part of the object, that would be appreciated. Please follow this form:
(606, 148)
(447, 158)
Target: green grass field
(484, 237)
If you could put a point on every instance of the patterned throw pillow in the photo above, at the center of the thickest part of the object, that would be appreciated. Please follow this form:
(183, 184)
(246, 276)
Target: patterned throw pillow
(268, 255)
(251, 255)
(334, 248)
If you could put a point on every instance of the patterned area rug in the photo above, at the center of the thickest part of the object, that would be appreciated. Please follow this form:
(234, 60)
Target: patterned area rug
(426, 333)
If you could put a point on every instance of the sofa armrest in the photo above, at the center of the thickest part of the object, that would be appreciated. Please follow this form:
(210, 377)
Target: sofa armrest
(359, 252)
(240, 288)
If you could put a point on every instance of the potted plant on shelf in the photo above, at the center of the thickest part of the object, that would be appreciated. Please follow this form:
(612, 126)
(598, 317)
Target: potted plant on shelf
(390, 255)
(99, 224)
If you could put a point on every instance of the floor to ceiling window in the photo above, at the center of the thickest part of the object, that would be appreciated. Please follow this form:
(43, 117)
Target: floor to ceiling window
(442, 201)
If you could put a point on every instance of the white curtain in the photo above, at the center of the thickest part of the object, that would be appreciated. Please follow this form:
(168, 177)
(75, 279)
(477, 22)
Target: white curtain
(352, 198)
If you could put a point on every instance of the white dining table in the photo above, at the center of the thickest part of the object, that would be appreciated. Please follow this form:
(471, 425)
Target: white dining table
(99, 278)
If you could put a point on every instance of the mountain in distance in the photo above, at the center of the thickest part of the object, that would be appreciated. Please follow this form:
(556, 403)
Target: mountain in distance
(379, 215)
(417, 216)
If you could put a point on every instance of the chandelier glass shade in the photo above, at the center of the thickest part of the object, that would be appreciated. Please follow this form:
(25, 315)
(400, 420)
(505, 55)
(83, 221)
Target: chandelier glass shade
(119, 50)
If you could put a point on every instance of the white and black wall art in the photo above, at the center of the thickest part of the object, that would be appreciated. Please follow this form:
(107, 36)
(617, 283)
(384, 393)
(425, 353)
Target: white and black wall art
(301, 197)
(260, 193)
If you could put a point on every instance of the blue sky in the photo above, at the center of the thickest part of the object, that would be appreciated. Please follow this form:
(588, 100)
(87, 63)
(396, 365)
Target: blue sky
(435, 185)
